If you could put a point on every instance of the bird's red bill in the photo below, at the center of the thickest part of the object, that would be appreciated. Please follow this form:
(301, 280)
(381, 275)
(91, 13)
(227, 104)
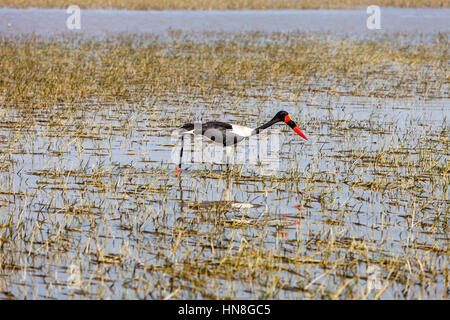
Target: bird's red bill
(297, 130)
(288, 120)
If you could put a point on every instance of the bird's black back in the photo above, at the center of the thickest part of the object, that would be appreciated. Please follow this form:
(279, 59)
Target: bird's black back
(215, 131)
(217, 125)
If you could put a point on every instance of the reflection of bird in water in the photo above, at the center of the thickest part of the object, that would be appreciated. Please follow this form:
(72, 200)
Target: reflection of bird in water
(225, 205)
(227, 134)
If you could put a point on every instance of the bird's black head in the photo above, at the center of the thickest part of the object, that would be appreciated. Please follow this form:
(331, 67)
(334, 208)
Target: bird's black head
(283, 116)
(280, 116)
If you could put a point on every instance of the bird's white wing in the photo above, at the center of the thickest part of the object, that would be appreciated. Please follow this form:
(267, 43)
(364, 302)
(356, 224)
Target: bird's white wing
(241, 130)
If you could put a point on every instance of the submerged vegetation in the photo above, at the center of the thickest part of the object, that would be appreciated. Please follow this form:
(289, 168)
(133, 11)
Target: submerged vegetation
(222, 4)
(90, 207)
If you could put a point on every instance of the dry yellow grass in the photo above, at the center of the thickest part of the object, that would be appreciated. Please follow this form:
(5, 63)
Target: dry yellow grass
(222, 4)
(67, 72)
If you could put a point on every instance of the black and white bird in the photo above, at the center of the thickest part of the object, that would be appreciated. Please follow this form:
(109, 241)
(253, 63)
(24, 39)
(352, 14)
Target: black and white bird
(227, 134)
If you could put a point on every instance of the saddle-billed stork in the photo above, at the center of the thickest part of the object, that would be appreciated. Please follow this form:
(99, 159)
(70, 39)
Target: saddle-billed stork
(227, 134)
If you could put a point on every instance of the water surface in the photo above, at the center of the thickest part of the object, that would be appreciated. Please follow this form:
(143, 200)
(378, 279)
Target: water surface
(103, 22)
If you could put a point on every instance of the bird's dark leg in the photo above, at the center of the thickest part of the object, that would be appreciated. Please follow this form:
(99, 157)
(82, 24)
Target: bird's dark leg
(228, 150)
(181, 154)
(181, 197)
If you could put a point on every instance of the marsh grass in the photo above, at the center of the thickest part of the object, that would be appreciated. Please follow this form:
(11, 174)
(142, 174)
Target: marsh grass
(222, 4)
(45, 73)
(90, 207)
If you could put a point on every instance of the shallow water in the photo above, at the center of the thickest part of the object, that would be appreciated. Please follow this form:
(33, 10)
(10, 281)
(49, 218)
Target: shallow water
(107, 22)
(94, 210)
(110, 178)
